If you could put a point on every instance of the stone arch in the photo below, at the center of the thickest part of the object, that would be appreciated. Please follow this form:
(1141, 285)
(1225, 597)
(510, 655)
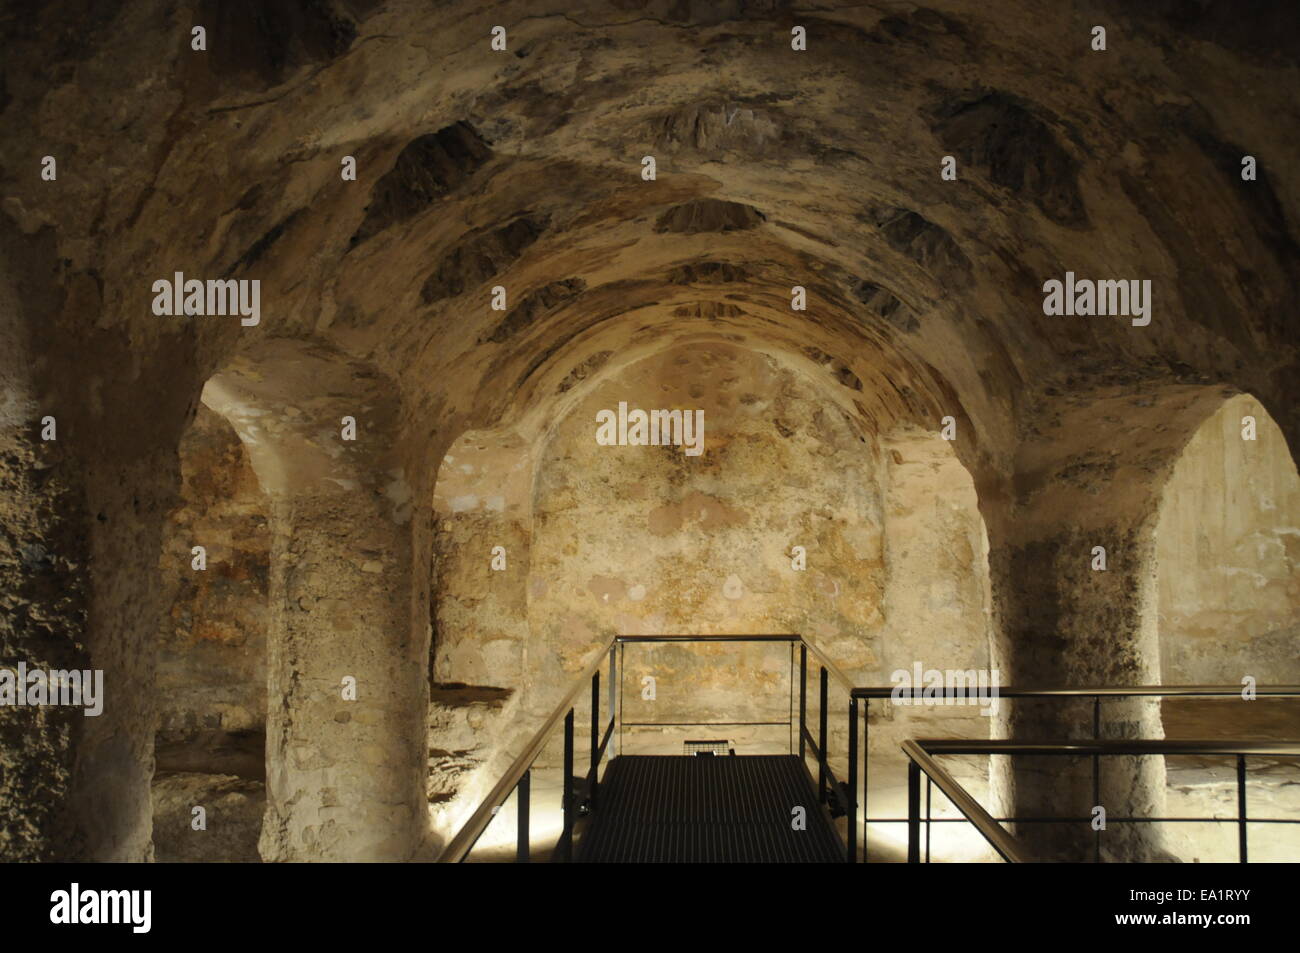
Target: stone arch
(1228, 553)
(479, 621)
(836, 402)
(211, 740)
(1227, 566)
(938, 615)
(1087, 475)
(345, 776)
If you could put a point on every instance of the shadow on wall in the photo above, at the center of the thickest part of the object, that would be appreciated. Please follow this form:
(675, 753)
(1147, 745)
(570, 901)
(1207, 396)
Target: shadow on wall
(211, 740)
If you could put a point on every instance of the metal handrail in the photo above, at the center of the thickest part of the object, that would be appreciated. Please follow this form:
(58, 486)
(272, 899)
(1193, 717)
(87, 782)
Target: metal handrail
(1096, 693)
(1207, 691)
(1133, 746)
(472, 829)
(830, 666)
(821, 656)
(786, 637)
(1008, 847)
(518, 774)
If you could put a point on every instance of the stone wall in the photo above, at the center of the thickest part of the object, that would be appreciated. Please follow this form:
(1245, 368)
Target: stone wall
(639, 540)
(1228, 555)
(648, 540)
(482, 501)
(937, 600)
(212, 648)
(478, 170)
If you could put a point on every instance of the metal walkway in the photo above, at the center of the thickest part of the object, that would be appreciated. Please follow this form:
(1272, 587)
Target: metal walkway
(685, 809)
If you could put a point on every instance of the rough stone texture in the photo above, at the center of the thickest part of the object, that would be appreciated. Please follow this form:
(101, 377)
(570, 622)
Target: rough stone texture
(428, 168)
(483, 500)
(647, 540)
(212, 652)
(466, 728)
(1228, 556)
(778, 168)
(44, 610)
(233, 809)
(44, 585)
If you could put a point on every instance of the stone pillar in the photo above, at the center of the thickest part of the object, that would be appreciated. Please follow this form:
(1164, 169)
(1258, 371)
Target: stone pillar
(345, 778)
(127, 504)
(85, 596)
(1068, 625)
(83, 516)
(1091, 478)
(347, 649)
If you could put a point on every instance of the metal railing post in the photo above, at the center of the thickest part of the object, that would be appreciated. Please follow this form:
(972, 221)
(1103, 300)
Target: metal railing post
(1241, 809)
(866, 775)
(851, 808)
(622, 676)
(913, 813)
(929, 787)
(1096, 774)
(566, 854)
(789, 721)
(522, 797)
(821, 741)
(613, 701)
(595, 739)
(803, 699)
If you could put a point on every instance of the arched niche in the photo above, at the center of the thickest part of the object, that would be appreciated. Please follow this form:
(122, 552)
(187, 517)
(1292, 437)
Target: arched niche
(210, 748)
(482, 511)
(1074, 572)
(1228, 553)
(1227, 564)
(605, 540)
(937, 618)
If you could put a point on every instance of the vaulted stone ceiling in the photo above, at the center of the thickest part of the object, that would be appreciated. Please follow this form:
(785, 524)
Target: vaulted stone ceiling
(775, 168)
(478, 168)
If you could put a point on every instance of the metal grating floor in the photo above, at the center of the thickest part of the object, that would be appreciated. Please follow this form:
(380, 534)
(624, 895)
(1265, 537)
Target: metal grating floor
(684, 809)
